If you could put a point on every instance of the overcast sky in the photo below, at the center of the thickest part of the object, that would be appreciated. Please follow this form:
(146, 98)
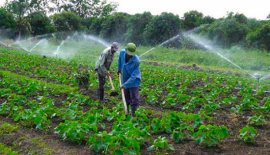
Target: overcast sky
(258, 9)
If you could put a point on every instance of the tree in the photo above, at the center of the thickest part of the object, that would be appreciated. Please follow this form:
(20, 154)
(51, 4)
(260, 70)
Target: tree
(86, 22)
(136, 25)
(6, 20)
(161, 28)
(95, 27)
(254, 24)
(192, 19)
(241, 18)
(40, 24)
(114, 27)
(66, 22)
(85, 8)
(30, 6)
(207, 20)
(260, 38)
(21, 9)
(229, 31)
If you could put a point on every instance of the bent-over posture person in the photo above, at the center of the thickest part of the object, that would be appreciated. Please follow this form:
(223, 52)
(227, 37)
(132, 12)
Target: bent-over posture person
(103, 65)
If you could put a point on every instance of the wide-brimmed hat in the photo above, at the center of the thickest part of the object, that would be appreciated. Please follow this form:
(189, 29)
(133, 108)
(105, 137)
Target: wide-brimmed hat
(131, 49)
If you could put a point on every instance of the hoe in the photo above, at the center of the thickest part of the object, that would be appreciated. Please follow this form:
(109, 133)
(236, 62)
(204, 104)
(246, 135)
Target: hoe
(113, 93)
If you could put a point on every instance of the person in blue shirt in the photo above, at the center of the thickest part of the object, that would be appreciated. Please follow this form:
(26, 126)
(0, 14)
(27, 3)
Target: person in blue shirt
(129, 66)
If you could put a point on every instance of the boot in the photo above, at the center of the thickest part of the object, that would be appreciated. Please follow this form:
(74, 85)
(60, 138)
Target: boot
(133, 109)
(128, 109)
(101, 96)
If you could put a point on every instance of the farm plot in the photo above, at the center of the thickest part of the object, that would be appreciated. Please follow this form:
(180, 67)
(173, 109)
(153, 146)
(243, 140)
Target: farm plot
(181, 112)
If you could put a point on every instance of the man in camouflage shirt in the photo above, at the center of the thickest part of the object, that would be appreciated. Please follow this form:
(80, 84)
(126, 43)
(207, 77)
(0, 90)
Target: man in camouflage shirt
(103, 65)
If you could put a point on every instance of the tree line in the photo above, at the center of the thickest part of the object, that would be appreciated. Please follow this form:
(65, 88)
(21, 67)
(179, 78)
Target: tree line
(97, 17)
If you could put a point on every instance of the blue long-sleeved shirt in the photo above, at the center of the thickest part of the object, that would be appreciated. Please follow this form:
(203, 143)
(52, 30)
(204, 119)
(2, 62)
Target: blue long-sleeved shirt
(131, 71)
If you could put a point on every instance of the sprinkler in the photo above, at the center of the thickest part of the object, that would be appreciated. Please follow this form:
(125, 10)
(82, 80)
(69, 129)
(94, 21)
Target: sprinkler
(258, 77)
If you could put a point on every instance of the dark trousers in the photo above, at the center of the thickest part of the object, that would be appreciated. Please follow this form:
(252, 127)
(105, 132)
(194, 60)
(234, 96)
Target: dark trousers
(132, 96)
(100, 90)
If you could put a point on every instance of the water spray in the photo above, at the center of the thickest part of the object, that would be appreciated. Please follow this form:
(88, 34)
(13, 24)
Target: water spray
(56, 52)
(165, 42)
(180, 35)
(36, 45)
(3, 43)
(228, 60)
(147, 51)
(98, 40)
(259, 77)
(211, 48)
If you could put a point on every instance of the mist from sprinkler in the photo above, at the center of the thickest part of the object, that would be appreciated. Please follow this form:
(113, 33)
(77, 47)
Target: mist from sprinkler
(260, 77)
(3, 43)
(98, 40)
(42, 40)
(266, 77)
(164, 43)
(207, 45)
(178, 36)
(197, 40)
(44, 45)
(58, 47)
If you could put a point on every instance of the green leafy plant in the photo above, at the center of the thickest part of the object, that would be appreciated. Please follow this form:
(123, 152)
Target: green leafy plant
(7, 150)
(160, 145)
(125, 138)
(210, 135)
(182, 132)
(5, 92)
(247, 134)
(210, 108)
(74, 130)
(82, 77)
(5, 108)
(177, 135)
(156, 125)
(256, 120)
(7, 128)
(267, 104)
(38, 117)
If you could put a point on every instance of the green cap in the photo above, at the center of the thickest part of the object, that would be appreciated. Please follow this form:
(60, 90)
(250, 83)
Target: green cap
(131, 49)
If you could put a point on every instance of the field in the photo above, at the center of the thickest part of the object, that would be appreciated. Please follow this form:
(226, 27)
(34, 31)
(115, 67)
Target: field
(191, 102)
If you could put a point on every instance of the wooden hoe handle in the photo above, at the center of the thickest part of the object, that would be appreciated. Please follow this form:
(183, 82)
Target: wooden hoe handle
(123, 95)
(111, 83)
